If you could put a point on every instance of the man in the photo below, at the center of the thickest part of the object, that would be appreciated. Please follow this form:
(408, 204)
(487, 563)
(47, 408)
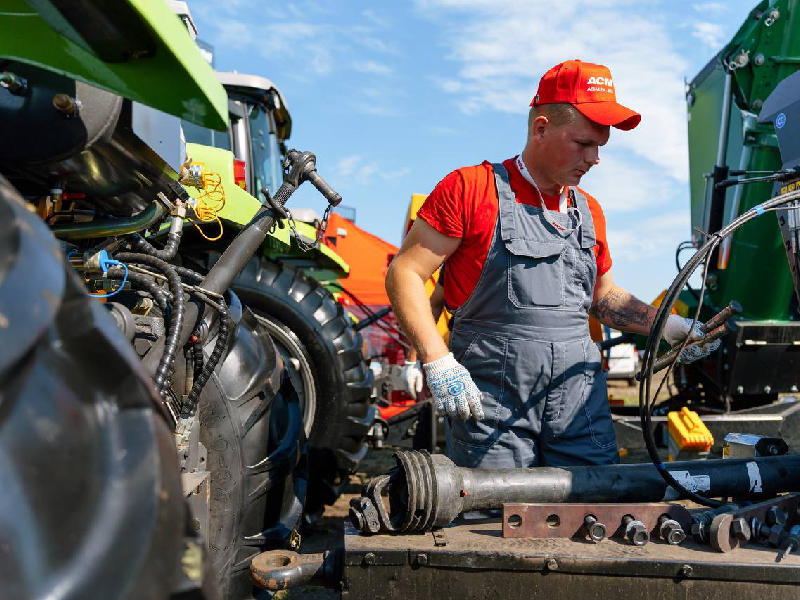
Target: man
(527, 261)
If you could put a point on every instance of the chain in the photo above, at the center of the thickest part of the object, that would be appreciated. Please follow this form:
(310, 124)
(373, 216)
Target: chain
(323, 227)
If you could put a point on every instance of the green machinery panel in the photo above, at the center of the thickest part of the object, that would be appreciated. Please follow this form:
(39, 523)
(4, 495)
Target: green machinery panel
(138, 49)
(751, 265)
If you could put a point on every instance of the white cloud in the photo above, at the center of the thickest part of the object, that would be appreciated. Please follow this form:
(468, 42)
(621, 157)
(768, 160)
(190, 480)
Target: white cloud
(372, 67)
(503, 49)
(623, 185)
(448, 85)
(376, 19)
(648, 238)
(356, 169)
(712, 35)
(711, 8)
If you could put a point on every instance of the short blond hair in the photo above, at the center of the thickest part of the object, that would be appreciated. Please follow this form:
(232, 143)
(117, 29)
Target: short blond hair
(561, 113)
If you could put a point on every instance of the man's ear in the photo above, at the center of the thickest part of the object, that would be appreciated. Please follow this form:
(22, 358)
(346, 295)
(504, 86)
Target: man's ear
(539, 127)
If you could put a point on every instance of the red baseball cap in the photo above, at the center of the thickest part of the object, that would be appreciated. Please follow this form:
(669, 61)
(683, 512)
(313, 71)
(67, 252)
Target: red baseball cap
(589, 88)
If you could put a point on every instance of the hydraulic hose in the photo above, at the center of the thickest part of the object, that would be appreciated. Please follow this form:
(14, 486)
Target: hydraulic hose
(170, 248)
(161, 296)
(657, 331)
(109, 227)
(223, 333)
(246, 243)
(171, 343)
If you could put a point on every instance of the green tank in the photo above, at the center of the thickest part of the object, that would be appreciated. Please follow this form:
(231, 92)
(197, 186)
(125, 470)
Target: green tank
(725, 139)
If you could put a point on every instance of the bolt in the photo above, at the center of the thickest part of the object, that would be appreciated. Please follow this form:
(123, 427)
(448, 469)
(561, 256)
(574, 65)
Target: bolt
(635, 531)
(793, 388)
(776, 516)
(64, 104)
(775, 535)
(767, 389)
(670, 530)
(740, 389)
(551, 564)
(740, 529)
(596, 530)
(369, 559)
(422, 559)
(687, 570)
(759, 59)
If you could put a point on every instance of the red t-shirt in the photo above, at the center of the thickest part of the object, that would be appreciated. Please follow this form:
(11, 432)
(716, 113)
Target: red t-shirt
(464, 204)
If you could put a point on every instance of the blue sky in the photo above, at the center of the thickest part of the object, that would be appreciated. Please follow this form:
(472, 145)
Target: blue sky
(392, 96)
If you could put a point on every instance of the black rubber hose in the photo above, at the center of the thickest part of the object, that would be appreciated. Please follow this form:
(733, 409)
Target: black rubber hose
(140, 244)
(656, 334)
(223, 332)
(197, 350)
(167, 361)
(161, 296)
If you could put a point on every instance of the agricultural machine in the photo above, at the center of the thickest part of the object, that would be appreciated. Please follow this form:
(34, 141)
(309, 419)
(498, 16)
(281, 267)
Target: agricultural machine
(172, 396)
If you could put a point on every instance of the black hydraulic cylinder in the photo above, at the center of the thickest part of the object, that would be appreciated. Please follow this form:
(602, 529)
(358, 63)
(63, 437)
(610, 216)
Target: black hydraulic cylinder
(427, 491)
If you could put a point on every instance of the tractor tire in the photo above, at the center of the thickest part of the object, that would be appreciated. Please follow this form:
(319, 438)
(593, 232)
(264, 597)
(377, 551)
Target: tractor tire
(251, 427)
(91, 504)
(324, 354)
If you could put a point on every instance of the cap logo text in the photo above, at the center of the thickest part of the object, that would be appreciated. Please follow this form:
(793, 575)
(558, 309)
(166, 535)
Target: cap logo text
(600, 81)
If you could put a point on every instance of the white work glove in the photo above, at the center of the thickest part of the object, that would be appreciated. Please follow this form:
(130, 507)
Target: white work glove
(411, 375)
(451, 385)
(675, 331)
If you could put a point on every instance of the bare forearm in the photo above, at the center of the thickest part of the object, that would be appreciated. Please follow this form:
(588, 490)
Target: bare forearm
(413, 310)
(621, 310)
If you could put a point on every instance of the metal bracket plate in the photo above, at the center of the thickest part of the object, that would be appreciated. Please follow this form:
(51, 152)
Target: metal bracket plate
(566, 520)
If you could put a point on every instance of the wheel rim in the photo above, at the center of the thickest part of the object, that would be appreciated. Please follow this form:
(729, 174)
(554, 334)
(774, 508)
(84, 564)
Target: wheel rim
(298, 363)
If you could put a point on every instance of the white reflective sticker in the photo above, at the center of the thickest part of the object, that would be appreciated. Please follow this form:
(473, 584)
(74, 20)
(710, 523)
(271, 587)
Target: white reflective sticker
(693, 483)
(755, 476)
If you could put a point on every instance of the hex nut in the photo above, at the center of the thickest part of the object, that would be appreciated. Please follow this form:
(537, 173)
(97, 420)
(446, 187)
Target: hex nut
(687, 570)
(740, 529)
(597, 532)
(775, 535)
(369, 559)
(675, 535)
(775, 516)
(551, 564)
(636, 534)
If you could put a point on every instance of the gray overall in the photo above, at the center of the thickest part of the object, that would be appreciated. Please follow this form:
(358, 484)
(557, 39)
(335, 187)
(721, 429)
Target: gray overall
(523, 335)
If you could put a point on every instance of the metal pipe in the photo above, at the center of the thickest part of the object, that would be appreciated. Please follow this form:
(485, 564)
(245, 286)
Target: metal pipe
(109, 227)
(427, 491)
(722, 143)
(733, 211)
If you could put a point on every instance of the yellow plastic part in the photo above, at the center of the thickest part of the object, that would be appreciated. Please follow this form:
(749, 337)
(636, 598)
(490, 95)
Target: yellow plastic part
(679, 308)
(688, 431)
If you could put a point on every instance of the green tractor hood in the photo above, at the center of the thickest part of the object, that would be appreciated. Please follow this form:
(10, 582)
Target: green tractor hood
(138, 49)
(322, 263)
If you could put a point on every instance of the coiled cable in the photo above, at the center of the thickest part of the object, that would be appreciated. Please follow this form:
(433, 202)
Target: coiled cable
(657, 331)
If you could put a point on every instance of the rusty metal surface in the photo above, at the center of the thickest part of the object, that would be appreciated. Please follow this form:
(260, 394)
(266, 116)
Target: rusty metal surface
(478, 563)
(483, 542)
(566, 520)
(720, 531)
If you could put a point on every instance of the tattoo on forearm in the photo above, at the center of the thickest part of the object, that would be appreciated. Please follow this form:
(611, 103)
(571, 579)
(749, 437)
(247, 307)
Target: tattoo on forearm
(620, 309)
